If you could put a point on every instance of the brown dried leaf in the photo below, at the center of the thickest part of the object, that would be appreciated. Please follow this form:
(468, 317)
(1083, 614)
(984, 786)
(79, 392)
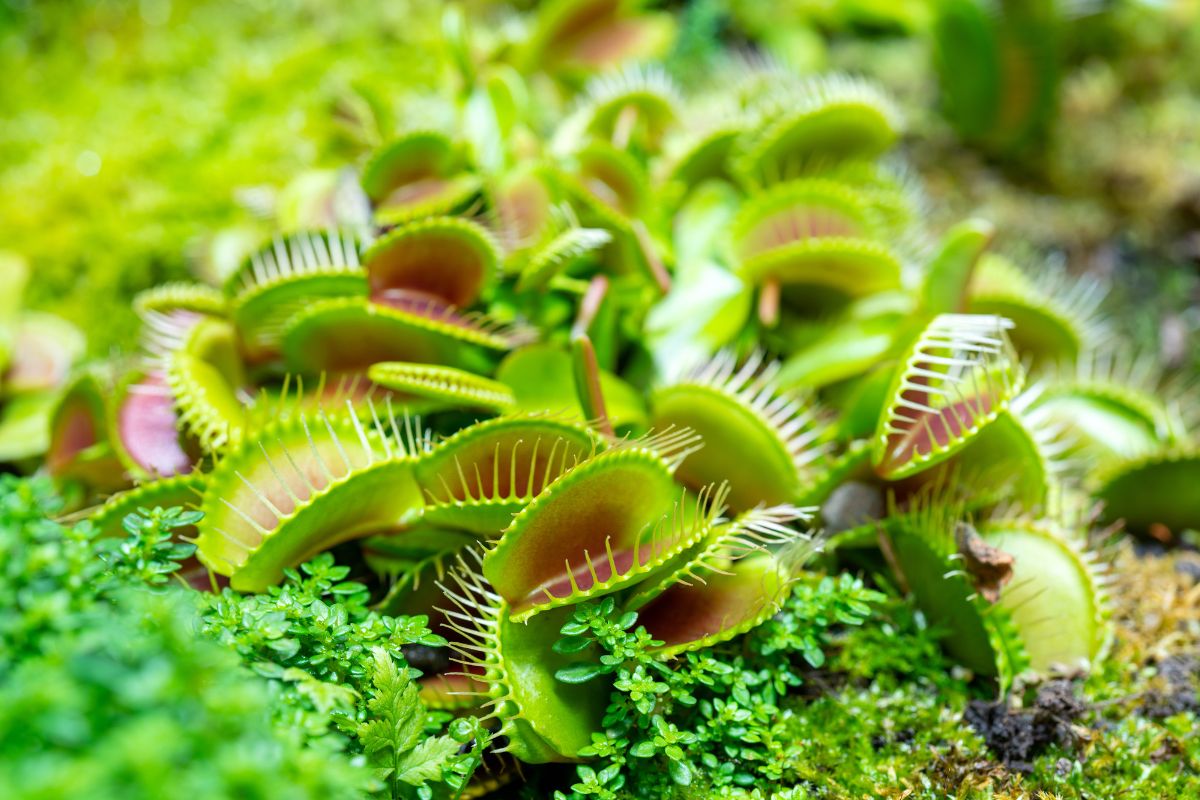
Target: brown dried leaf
(990, 568)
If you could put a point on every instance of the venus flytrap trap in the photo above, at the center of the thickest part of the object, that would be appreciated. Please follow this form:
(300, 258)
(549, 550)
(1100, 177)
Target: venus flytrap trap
(430, 385)
(559, 255)
(573, 38)
(305, 486)
(180, 296)
(1053, 568)
(37, 354)
(1126, 426)
(1055, 318)
(738, 579)
(79, 448)
(351, 334)
(280, 279)
(536, 719)
(958, 377)
(989, 598)
(448, 259)
(999, 68)
(610, 521)
(634, 107)
(1112, 404)
(748, 534)
(813, 233)
(799, 125)
(205, 375)
(1152, 494)
(740, 409)
(479, 478)
(418, 174)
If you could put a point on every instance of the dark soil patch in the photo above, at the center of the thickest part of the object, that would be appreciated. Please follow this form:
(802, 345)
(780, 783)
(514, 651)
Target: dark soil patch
(427, 659)
(1189, 567)
(1017, 736)
(1179, 675)
(820, 683)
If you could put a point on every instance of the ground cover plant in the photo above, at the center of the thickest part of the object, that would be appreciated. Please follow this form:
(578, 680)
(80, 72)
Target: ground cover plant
(594, 432)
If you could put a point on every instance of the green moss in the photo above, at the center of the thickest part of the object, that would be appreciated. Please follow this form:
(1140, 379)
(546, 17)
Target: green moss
(137, 128)
(887, 718)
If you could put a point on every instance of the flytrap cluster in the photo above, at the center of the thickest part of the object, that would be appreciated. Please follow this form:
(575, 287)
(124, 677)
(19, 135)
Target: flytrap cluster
(594, 337)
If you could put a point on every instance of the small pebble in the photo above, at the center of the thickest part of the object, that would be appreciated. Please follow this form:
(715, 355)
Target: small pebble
(1188, 567)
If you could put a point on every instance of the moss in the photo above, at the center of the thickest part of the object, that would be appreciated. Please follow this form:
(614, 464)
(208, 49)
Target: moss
(136, 128)
(886, 718)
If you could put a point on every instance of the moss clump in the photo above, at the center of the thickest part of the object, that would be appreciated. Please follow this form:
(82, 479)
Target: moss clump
(887, 718)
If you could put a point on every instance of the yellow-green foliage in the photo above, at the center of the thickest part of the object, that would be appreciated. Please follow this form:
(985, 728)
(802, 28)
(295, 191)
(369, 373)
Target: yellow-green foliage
(135, 130)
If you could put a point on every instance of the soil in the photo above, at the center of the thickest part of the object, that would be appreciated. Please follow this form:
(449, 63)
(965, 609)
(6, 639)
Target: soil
(1180, 675)
(1017, 736)
(427, 659)
(853, 504)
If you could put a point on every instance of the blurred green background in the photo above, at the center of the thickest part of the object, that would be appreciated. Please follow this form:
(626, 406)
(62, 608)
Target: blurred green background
(135, 130)
(141, 138)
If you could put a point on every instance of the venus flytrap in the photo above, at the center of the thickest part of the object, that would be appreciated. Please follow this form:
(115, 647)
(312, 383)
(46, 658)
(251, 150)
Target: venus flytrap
(812, 233)
(296, 483)
(634, 107)
(475, 397)
(276, 281)
(79, 449)
(467, 404)
(571, 38)
(645, 520)
(477, 479)
(1152, 493)
(38, 352)
(560, 254)
(434, 386)
(806, 125)
(418, 174)
(1000, 70)
(741, 409)
(1056, 317)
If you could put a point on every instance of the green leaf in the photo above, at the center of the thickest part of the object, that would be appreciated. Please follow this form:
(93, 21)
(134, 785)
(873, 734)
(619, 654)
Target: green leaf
(425, 761)
(396, 706)
(643, 749)
(574, 628)
(571, 644)
(680, 772)
(579, 673)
